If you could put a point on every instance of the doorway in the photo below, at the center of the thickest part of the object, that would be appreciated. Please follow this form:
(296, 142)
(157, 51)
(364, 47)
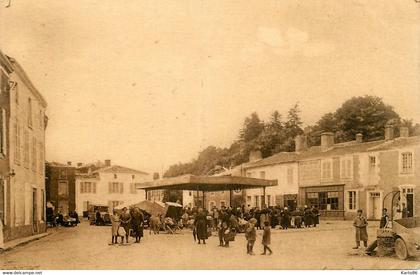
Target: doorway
(375, 205)
(34, 211)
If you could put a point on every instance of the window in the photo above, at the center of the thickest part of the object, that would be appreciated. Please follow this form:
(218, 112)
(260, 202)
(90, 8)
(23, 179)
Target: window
(16, 92)
(352, 200)
(326, 166)
(4, 83)
(3, 133)
(115, 176)
(30, 112)
(133, 189)
(34, 154)
(407, 162)
(262, 174)
(26, 149)
(332, 201)
(63, 188)
(63, 173)
(309, 170)
(268, 200)
(41, 158)
(248, 199)
(346, 168)
(41, 119)
(290, 175)
(222, 204)
(133, 176)
(257, 200)
(189, 193)
(116, 187)
(372, 162)
(88, 187)
(249, 174)
(17, 142)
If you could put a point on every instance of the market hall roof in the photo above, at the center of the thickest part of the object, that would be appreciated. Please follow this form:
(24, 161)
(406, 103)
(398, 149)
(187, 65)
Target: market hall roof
(207, 183)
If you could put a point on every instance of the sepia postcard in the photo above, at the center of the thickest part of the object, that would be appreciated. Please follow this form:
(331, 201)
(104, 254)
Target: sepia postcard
(234, 135)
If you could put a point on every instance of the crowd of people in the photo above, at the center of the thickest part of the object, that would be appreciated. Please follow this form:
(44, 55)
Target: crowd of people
(277, 217)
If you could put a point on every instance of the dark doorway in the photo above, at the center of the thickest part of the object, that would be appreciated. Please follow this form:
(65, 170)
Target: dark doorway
(410, 205)
(34, 211)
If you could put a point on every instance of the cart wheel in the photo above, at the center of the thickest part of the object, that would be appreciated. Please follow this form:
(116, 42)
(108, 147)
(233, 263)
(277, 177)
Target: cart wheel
(401, 249)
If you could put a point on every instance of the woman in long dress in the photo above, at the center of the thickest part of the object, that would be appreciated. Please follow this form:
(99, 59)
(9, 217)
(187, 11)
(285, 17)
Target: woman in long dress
(201, 226)
(137, 220)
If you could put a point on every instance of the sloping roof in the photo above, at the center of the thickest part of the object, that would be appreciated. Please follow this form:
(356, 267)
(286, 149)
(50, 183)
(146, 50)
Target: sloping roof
(118, 169)
(397, 143)
(338, 149)
(25, 78)
(207, 183)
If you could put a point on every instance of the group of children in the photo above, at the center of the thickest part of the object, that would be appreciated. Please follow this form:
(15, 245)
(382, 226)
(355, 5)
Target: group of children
(251, 237)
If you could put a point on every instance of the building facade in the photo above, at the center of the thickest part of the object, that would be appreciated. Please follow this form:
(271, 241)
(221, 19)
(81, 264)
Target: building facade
(110, 186)
(24, 185)
(341, 178)
(61, 186)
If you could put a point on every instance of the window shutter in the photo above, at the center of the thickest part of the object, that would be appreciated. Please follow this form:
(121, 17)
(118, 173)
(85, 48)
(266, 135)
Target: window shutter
(109, 187)
(94, 187)
(81, 187)
(121, 187)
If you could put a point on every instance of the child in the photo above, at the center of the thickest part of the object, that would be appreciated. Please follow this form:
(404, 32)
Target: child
(360, 223)
(115, 221)
(251, 236)
(266, 238)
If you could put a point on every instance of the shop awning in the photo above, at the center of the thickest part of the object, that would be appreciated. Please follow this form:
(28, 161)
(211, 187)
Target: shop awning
(206, 183)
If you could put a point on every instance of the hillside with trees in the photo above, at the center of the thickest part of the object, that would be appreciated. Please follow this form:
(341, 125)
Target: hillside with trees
(366, 114)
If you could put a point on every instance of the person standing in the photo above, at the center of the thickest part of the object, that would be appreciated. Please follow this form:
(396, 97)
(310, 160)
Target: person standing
(307, 216)
(251, 236)
(125, 223)
(360, 223)
(201, 226)
(315, 215)
(115, 222)
(137, 220)
(266, 239)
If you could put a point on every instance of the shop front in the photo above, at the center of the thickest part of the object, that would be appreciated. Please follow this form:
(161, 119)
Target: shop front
(328, 199)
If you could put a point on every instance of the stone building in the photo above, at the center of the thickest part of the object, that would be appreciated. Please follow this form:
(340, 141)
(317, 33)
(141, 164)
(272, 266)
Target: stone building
(24, 136)
(61, 186)
(110, 186)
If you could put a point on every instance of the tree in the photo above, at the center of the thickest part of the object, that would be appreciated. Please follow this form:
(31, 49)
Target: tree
(367, 115)
(252, 128)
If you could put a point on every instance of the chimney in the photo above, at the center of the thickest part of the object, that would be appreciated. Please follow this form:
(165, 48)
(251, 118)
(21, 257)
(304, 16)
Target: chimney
(301, 143)
(359, 138)
(107, 162)
(389, 132)
(327, 140)
(79, 164)
(156, 176)
(69, 163)
(255, 156)
(403, 131)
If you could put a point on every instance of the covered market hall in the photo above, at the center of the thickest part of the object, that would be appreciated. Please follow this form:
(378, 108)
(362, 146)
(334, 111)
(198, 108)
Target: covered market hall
(204, 184)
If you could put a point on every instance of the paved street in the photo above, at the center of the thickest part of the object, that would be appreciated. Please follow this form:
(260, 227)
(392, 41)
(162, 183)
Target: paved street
(86, 247)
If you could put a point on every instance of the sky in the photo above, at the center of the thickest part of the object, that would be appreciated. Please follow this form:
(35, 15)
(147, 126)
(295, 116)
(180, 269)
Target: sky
(151, 83)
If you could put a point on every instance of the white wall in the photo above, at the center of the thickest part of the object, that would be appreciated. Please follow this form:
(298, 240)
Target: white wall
(273, 172)
(103, 196)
